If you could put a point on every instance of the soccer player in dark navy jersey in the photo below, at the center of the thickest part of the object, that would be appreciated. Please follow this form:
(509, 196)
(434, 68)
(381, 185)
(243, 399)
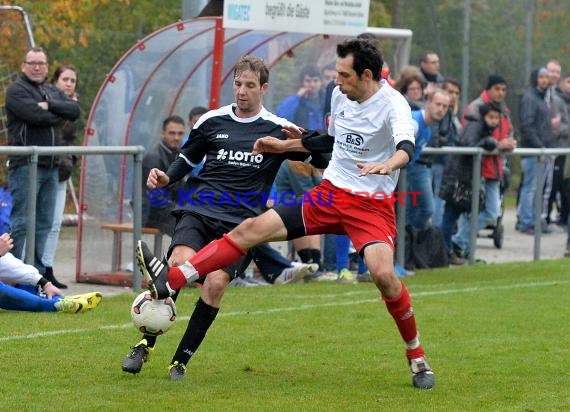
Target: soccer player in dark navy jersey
(233, 185)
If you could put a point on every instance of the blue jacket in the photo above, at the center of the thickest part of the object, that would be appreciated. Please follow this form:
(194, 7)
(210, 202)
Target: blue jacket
(423, 134)
(303, 112)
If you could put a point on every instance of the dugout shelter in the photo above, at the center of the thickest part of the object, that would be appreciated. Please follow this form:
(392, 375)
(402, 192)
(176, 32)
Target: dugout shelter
(182, 65)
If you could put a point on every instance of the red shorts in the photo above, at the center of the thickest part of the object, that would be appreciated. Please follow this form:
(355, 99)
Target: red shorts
(328, 209)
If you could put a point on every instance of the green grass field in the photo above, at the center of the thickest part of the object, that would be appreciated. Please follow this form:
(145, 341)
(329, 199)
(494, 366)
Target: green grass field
(497, 337)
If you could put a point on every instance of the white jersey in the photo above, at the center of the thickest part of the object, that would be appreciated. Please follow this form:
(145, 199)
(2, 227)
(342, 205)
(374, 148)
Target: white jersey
(367, 132)
(16, 271)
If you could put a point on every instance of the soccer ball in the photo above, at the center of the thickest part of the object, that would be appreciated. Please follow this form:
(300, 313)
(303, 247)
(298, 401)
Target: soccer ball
(153, 316)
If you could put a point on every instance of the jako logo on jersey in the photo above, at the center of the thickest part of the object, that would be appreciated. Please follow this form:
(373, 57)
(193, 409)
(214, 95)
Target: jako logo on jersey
(239, 156)
(222, 136)
(354, 139)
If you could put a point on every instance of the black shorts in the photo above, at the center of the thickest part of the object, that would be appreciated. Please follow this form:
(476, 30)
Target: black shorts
(196, 231)
(292, 217)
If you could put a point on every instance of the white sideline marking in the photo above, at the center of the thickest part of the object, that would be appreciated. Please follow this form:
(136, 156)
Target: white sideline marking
(300, 307)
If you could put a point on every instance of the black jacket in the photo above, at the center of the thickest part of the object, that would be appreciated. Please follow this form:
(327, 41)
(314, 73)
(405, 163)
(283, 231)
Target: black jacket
(29, 124)
(459, 169)
(160, 157)
(535, 117)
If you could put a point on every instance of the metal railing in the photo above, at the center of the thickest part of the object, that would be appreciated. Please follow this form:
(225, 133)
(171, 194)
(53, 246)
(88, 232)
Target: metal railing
(478, 154)
(33, 152)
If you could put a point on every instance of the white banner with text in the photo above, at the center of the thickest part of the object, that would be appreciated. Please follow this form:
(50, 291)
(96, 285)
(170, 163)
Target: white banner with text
(335, 17)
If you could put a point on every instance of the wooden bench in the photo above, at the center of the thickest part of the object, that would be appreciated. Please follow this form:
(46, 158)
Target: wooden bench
(118, 229)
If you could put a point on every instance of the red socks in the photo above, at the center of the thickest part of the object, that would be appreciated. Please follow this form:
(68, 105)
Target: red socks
(218, 254)
(176, 278)
(401, 310)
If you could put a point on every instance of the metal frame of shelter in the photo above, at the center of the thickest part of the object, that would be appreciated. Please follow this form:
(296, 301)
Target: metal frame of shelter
(25, 20)
(180, 66)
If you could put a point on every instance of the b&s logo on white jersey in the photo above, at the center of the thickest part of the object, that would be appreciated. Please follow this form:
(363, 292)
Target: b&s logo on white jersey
(353, 139)
(239, 158)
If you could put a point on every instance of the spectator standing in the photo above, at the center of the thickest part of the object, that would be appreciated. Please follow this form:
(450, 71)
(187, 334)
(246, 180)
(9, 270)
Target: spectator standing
(492, 167)
(420, 208)
(553, 182)
(536, 132)
(65, 78)
(195, 113)
(429, 67)
(445, 134)
(328, 75)
(36, 110)
(161, 156)
(305, 108)
(563, 92)
(412, 84)
(456, 188)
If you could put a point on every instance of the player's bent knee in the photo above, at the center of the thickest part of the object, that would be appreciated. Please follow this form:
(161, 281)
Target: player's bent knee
(247, 231)
(180, 254)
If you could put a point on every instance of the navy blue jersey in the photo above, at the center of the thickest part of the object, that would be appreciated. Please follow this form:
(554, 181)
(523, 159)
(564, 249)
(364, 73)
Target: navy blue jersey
(233, 184)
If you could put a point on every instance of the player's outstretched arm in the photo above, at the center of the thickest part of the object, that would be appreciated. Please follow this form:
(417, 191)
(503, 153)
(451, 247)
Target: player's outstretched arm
(292, 131)
(270, 144)
(157, 178)
(397, 161)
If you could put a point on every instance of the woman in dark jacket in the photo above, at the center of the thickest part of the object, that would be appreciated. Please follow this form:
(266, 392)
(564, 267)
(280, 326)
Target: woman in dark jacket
(65, 79)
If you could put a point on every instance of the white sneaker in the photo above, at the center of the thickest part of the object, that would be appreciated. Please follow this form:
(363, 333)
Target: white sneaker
(327, 277)
(296, 273)
(242, 283)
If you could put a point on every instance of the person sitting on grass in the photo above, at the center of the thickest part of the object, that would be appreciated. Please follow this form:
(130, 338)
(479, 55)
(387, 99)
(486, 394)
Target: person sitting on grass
(13, 270)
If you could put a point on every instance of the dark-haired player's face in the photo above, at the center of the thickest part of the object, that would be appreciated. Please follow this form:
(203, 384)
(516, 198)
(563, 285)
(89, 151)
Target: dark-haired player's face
(349, 82)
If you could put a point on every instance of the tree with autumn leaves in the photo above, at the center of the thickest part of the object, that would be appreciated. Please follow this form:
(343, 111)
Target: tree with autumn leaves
(91, 34)
(94, 34)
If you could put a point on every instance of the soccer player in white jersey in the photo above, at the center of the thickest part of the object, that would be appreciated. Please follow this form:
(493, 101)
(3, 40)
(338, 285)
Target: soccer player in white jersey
(371, 136)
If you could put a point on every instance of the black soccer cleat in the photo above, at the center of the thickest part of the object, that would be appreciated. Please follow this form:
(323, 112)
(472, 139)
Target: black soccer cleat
(155, 271)
(138, 355)
(177, 371)
(422, 375)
